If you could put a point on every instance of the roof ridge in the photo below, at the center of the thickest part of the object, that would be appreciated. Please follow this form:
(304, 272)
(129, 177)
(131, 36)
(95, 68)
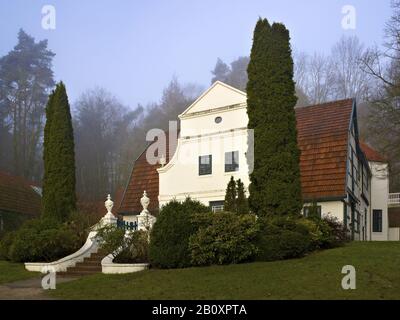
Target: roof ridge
(327, 103)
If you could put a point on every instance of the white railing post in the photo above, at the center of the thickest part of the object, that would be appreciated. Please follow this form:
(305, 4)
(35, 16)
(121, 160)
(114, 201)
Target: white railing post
(394, 199)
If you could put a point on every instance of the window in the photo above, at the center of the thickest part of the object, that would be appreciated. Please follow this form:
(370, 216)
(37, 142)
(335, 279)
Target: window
(205, 165)
(217, 206)
(308, 210)
(351, 168)
(365, 180)
(358, 222)
(359, 170)
(232, 161)
(218, 120)
(376, 220)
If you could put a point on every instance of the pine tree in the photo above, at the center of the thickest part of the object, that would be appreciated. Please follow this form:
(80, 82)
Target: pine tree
(241, 200)
(275, 181)
(230, 196)
(59, 198)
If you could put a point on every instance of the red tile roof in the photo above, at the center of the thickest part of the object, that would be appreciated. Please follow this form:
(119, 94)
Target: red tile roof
(17, 195)
(144, 177)
(322, 135)
(371, 154)
(323, 141)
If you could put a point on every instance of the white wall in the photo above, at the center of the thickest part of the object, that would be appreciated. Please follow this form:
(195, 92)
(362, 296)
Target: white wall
(180, 177)
(200, 135)
(379, 198)
(394, 234)
(331, 208)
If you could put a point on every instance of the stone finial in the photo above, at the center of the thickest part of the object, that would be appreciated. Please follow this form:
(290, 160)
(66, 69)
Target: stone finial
(145, 201)
(145, 219)
(109, 218)
(109, 204)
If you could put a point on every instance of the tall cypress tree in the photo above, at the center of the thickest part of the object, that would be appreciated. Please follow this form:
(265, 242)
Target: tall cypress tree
(59, 198)
(241, 200)
(275, 181)
(230, 196)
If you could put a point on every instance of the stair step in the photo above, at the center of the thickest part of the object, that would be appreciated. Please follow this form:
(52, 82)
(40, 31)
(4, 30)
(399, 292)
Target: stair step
(95, 270)
(89, 262)
(88, 266)
(76, 274)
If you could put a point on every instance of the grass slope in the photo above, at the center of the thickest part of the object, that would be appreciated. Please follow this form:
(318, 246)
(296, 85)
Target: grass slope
(10, 272)
(317, 276)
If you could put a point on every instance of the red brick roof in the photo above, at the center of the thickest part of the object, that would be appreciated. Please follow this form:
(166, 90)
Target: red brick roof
(144, 177)
(322, 132)
(323, 140)
(371, 154)
(17, 195)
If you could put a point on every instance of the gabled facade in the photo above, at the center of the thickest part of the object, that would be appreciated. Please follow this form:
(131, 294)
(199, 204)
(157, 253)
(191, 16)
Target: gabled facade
(378, 218)
(215, 144)
(213, 128)
(334, 170)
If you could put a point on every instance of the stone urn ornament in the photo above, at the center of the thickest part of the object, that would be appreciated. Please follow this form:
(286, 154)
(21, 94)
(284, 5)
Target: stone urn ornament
(145, 219)
(145, 201)
(109, 218)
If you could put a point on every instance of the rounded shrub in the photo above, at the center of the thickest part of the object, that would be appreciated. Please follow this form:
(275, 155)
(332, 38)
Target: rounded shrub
(46, 240)
(334, 233)
(136, 248)
(224, 238)
(282, 238)
(125, 249)
(169, 239)
(43, 241)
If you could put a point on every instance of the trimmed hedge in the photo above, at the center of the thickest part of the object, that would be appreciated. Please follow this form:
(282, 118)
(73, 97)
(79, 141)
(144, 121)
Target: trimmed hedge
(169, 240)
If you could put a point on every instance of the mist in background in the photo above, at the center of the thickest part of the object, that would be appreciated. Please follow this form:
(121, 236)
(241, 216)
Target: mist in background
(134, 48)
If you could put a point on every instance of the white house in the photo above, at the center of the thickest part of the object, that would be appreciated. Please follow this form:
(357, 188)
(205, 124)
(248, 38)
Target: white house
(214, 144)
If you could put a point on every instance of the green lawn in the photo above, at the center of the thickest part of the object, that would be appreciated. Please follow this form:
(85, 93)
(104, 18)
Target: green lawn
(317, 276)
(10, 272)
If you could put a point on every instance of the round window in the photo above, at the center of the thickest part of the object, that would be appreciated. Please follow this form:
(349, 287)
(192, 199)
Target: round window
(218, 120)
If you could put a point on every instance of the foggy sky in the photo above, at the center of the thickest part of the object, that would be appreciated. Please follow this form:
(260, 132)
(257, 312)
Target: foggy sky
(133, 48)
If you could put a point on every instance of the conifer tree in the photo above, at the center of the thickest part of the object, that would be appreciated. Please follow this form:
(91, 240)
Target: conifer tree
(241, 200)
(230, 196)
(275, 181)
(59, 198)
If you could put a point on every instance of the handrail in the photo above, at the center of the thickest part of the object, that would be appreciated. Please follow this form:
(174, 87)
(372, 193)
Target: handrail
(394, 198)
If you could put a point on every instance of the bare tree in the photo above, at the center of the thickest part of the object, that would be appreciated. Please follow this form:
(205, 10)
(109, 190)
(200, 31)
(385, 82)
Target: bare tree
(320, 78)
(101, 123)
(383, 127)
(349, 79)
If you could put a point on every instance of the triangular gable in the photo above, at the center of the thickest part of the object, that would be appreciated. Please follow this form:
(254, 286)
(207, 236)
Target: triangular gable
(218, 95)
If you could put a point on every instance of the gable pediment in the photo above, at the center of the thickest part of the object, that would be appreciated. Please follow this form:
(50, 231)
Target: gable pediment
(217, 96)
